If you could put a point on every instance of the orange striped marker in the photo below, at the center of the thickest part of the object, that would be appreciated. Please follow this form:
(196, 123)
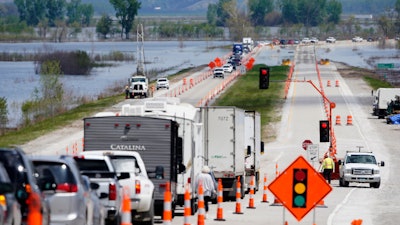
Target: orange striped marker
(167, 213)
(201, 209)
(220, 213)
(265, 196)
(251, 199)
(34, 207)
(187, 211)
(238, 209)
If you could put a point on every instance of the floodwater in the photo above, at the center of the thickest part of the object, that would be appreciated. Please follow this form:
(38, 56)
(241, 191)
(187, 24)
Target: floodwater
(18, 79)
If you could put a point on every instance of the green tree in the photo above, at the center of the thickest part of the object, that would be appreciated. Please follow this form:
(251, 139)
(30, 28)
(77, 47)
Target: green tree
(3, 115)
(103, 27)
(55, 11)
(126, 10)
(31, 11)
(333, 10)
(212, 14)
(307, 12)
(79, 13)
(258, 10)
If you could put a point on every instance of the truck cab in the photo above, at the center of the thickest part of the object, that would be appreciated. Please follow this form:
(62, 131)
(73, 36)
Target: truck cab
(139, 86)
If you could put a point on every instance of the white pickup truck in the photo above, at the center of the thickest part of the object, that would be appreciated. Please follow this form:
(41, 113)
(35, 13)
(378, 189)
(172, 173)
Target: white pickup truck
(360, 167)
(141, 188)
(99, 170)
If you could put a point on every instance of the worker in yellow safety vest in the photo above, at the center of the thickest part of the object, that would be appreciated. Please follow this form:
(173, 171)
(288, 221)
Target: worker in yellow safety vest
(328, 166)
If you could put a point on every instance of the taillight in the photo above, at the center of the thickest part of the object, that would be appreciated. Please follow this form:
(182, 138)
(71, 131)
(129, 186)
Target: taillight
(3, 202)
(137, 187)
(112, 192)
(67, 187)
(189, 180)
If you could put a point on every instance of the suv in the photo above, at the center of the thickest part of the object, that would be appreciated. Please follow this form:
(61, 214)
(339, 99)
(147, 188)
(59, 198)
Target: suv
(360, 167)
(330, 40)
(21, 172)
(219, 72)
(60, 180)
(162, 83)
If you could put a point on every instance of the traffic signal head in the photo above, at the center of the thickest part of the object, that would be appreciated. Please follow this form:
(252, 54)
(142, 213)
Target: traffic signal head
(264, 78)
(299, 196)
(324, 131)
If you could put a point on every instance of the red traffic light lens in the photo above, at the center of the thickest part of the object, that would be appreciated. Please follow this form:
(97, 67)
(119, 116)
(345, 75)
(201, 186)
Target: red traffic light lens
(264, 72)
(324, 125)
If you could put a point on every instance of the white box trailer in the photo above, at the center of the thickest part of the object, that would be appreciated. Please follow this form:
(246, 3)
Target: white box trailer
(254, 147)
(382, 97)
(224, 146)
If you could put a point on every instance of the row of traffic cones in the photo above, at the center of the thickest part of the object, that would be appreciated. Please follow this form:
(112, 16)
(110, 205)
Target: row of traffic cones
(349, 120)
(328, 84)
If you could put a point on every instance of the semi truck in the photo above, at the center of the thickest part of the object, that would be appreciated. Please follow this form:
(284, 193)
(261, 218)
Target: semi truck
(382, 98)
(189, 133)
(226, 150)
(155, 142)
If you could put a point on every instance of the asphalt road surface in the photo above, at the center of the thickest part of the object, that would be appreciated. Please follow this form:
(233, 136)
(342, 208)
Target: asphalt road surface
(300, 117)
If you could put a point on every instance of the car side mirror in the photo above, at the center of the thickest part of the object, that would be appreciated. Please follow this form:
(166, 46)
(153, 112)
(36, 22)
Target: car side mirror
(340, 162)
(382, 163)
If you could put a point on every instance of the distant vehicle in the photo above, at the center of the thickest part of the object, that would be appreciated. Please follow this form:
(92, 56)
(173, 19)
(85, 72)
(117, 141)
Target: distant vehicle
(330, 40)
(382, 99)
(138, 86)
(290, 42)
(357, 39)
(314, 40)
(10, 213)
(24, 183)
(306, 40)
(370, 39)
(275, 41)
(360, 167)
(296, 41)
(162, 82)
(218, 72)
(228, 68)
(60, 180)
(282, 42)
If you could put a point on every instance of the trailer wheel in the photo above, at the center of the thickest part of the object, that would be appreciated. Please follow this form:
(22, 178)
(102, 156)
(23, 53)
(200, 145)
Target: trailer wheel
(242, 188)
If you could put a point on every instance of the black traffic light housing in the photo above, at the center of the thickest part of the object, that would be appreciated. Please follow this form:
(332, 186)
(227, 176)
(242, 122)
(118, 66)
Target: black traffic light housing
(324, 131)
(264, 78)
(299, 188)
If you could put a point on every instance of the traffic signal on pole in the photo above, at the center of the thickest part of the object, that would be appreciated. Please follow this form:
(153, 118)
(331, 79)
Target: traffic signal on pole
(299, 196)
(324, 131)
(264, 78)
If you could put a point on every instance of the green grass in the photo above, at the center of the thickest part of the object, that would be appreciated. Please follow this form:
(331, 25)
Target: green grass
(376, 83)
(245, 94)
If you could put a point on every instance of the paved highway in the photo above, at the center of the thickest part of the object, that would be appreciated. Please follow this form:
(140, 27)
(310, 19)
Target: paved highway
(300, 115)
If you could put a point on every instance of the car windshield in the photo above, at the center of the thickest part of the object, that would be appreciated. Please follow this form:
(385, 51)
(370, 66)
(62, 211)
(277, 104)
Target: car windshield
(162, 80)
(138, 79)
(125, 164)
(367, 159)
(57, 171)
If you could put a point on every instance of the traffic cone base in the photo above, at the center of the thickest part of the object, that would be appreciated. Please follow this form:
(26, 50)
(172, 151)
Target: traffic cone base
(321, 204)
(276, 202)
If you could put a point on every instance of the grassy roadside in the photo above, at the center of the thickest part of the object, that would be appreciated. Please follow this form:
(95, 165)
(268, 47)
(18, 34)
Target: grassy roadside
(244, 94)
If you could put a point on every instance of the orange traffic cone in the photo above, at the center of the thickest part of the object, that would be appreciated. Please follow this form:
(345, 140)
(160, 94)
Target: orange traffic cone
(265, 196)
(34, 207)
(321, 204)
(337, 83)
(167, 213)
(251, 199)
(201, 209)
(220, 213)
(126, 208)
(187, 211)
(329, 83)
(238, 197)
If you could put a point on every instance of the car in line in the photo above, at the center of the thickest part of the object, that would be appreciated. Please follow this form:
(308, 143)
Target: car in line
(30, 198)
(330, 40)
(357, 39)
(10, 213)
(219, 72)
(60, 180)
(306, 40)
(99, 211)
(162, 82)
(228, 68)
(314, 40)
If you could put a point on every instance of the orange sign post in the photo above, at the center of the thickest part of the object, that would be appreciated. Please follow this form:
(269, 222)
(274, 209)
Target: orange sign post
(300, 188)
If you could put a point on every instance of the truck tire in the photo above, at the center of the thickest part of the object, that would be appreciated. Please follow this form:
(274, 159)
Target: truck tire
(375, 185)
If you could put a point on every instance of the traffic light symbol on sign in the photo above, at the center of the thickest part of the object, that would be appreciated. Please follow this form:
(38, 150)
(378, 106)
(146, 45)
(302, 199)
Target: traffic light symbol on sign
(324, 131)
(299, 197)
(264, 78)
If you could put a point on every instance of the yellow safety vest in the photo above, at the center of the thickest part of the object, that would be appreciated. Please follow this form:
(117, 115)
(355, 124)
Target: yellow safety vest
(327, 163)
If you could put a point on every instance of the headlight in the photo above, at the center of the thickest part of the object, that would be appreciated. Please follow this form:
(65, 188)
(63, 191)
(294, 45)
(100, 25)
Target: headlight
(375, 172)
(347, 171)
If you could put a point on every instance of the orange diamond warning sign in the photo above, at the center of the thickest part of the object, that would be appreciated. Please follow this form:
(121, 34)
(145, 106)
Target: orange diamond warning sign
(300, 188)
